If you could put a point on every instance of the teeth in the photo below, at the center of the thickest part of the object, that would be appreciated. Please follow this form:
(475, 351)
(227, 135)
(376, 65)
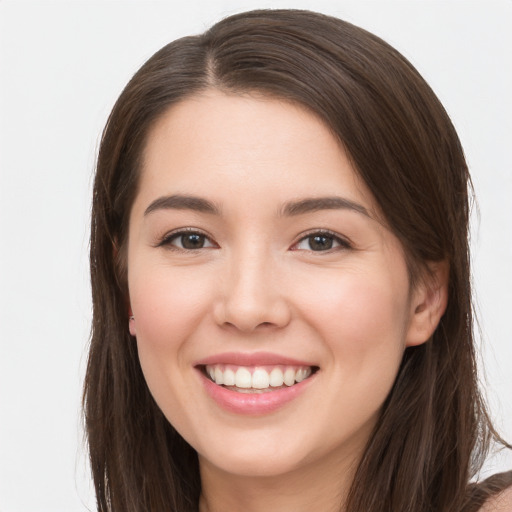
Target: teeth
(257, 378)
(242, 378)
(276, 378)
(229, 378)
(219, 376)
(301, 375)
(260, 379)
(289, 377)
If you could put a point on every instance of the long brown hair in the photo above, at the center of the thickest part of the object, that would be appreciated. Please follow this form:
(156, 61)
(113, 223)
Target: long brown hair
(434, 432)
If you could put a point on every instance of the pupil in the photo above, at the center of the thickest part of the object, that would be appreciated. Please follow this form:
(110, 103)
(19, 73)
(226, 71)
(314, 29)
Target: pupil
(192, 241)
(320, 243)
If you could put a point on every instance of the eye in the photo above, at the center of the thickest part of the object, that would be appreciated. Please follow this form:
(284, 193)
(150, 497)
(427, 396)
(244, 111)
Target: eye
(321, 241)
(186, 240)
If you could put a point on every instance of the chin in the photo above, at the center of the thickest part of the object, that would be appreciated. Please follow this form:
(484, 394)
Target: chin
(259, 454)
(263, 465)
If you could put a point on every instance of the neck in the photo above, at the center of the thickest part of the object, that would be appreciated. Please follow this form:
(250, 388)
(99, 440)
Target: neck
(310, 488)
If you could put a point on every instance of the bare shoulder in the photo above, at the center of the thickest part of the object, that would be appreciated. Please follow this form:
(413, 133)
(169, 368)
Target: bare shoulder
(501, 502)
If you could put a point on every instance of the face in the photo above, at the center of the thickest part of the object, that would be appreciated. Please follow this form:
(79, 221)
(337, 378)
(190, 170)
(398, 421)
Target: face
(272, 304)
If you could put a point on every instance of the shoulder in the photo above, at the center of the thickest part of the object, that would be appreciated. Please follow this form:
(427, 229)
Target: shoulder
(494, 494)
(501, 502)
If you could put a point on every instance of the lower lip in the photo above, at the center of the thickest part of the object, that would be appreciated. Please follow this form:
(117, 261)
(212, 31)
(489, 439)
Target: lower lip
(254, 404)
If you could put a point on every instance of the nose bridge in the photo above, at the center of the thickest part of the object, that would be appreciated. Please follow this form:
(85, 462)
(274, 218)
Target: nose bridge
(251, 275)
(251, 296)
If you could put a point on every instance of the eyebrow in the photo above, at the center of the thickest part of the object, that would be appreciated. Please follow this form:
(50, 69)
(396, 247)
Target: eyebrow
(182, 202)
(290, 209)
(315, 204)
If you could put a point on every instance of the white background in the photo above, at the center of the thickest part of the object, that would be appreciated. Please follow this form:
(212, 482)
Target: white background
(62, 65)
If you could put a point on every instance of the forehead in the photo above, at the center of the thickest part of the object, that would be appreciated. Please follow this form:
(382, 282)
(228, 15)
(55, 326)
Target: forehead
(246, 146)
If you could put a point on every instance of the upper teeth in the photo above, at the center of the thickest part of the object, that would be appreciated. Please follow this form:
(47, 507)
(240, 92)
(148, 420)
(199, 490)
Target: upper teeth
(258, 377)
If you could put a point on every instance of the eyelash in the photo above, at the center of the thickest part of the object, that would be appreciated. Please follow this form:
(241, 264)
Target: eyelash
(167, 240)
(343, 244)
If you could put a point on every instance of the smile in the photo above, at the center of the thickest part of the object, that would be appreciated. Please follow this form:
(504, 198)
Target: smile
(255, 384)
(257, 379)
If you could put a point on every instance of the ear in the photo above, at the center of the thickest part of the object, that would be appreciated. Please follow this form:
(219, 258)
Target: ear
(428, 304)
(131, 322)
(131, 319)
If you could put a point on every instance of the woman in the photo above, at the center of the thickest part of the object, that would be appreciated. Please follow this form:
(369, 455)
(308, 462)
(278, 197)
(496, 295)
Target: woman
(280, 275)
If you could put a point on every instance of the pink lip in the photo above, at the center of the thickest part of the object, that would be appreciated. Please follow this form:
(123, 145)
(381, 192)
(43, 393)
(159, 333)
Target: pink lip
(254, 359)
(253, 404)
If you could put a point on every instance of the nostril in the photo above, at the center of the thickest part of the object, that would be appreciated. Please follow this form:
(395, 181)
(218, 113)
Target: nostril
(247, 327)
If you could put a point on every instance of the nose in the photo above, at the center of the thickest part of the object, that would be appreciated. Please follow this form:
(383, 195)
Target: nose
(251, 296)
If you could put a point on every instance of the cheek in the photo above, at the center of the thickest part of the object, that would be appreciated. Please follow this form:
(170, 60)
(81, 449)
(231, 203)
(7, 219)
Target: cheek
(362, 323)
(362, 319)
(359, 303)
(167, 306)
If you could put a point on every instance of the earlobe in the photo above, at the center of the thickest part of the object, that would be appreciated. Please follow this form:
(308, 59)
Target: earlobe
(428, 304)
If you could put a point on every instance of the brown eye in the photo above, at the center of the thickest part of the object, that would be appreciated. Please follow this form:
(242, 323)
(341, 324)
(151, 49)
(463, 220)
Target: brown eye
(192, 241)
(187, 240)
(321, 241)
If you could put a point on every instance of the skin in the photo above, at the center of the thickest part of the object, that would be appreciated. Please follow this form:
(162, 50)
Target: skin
(257, 285)
(499, 503)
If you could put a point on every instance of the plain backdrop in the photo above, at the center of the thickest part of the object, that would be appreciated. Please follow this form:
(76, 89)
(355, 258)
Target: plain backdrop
(62, 65)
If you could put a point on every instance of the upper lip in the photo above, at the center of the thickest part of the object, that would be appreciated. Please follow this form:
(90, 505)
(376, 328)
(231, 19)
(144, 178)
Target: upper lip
(251, 359)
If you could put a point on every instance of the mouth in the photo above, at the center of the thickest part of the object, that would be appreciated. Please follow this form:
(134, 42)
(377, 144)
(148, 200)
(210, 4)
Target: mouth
(256, 379)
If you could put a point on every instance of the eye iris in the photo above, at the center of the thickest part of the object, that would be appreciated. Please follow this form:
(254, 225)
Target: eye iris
(320, 242)
(192, 241)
